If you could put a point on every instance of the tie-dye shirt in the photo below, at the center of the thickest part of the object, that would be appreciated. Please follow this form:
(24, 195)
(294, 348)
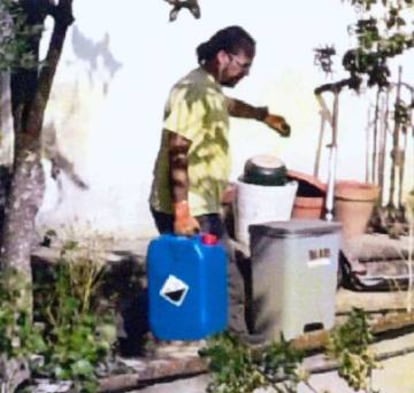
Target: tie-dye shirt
(197, 110)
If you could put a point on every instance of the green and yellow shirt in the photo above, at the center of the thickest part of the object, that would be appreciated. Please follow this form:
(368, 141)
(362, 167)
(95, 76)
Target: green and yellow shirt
(197, 110)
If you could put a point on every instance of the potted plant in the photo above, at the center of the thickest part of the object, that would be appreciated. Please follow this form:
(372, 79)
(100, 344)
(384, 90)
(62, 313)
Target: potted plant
(382, 31)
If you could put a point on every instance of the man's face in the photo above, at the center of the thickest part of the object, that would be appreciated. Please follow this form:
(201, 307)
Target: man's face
(234, 67)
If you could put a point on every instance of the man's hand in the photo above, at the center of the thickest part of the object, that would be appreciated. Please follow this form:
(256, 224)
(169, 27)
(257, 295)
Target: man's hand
(277, 123)
(184, 222)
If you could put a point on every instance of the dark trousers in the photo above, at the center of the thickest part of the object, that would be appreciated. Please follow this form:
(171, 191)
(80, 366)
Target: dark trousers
(212, 223)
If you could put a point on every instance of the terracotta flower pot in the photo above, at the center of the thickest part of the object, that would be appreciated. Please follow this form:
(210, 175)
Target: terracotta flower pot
(310, 197)
(308, 207)
(354, 202)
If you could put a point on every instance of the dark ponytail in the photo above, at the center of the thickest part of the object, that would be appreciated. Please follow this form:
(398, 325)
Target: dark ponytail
(231, 39)
(204, 52)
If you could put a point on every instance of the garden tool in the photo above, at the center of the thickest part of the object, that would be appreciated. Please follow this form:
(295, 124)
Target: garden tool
(348, 263)
(335, 88)
(378, 222)
(325, 118)
(408, 121)
(382, 145)
(369, 149)
(390, 208)
(330, 195)
(374, 174)
(404, 132)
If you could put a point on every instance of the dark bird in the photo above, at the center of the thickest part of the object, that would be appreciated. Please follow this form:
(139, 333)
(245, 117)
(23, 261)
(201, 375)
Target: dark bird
(177, 5)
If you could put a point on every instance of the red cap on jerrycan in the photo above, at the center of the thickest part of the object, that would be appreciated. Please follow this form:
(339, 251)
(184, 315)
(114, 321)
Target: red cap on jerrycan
(209, 239)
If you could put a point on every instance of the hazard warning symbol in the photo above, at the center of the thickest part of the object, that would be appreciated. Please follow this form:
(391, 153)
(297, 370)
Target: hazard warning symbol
(174, 290)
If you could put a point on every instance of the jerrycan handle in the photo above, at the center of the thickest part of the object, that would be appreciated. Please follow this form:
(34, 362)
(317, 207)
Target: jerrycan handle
(209, 239)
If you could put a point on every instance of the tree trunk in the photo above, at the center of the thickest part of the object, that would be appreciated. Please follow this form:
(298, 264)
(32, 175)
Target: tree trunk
(24, 199)
(30, 90)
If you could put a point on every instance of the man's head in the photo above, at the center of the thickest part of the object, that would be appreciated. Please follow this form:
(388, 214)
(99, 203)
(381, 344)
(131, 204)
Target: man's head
(228, 55)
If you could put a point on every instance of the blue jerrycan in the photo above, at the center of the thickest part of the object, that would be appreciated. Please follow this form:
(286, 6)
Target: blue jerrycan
(187, 286)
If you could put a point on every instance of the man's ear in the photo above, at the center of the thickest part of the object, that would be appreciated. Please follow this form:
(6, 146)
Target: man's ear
(223, 57)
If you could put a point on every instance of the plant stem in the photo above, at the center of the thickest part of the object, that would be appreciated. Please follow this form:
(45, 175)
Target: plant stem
(410, 260)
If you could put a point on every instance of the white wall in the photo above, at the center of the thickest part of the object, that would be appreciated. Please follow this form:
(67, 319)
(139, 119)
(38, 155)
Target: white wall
(120, 60)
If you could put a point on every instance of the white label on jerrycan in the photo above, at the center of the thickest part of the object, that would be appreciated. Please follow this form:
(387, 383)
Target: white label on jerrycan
(174, 290)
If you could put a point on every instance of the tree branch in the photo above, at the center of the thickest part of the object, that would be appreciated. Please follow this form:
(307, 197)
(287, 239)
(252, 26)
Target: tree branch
(62, 14)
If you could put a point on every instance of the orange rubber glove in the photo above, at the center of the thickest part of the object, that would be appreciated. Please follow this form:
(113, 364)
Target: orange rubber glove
(277, 123)
(184, 222)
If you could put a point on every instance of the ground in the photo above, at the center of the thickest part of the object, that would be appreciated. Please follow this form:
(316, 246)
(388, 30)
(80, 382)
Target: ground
(382, 259)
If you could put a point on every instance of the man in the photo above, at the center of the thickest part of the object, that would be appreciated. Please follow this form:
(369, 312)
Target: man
(193, 164)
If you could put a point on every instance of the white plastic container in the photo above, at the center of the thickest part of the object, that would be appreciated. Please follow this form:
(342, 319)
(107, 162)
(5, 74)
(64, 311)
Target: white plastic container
(255, 204)
(294, 276)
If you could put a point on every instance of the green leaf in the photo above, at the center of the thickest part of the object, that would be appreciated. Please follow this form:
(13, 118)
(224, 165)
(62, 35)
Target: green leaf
(83, 368)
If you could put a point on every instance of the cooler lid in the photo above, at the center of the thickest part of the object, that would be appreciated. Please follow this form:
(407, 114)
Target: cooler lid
(301, 227)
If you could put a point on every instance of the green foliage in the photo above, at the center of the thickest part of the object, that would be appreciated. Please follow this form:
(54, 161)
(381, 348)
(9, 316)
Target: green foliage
(236, 368)
(383, 30)
(69, 330)
(19, 337)
(349, 345)
(281, 362)
(67, 304)
(73, 352)
(232, 365)
(15, 35)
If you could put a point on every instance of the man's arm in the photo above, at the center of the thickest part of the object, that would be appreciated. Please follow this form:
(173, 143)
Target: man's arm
(178, 148)
(238, 108)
